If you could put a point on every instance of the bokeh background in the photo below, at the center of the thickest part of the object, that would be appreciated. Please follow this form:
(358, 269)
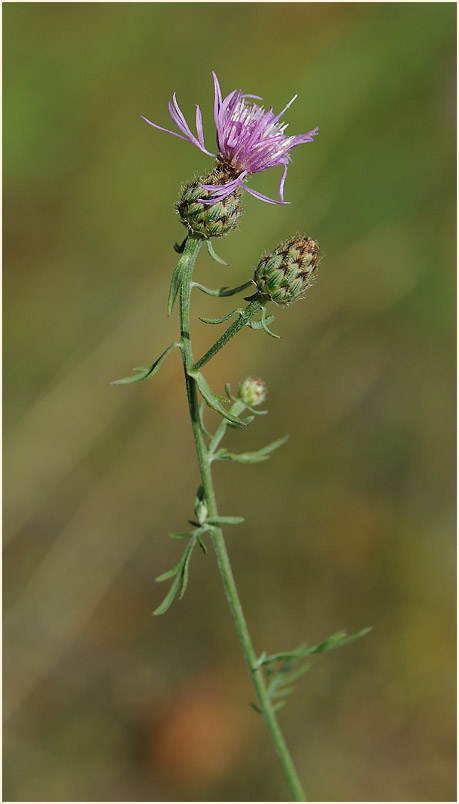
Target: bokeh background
(350, 524)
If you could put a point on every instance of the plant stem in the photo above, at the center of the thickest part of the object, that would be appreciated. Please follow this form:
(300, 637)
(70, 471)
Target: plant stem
(250, 311)
(191, 250)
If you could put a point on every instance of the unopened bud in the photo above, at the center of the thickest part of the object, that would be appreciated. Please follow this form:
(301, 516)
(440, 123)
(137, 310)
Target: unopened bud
(285, 274)
(252, 392)
(210, 220)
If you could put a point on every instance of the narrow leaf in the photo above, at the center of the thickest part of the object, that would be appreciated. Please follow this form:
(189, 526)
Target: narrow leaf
(338, 640)
(221, 292)
(180, 535)
(251, 457)
(169, 574)
(278, 705)
(168, 600)
(176, 282)
(256, 412)
(213, 401)
(257, 708)
(219, 320)
(225, 520)
(257, 324)
(212, 253)
(264, 325)
(146, 371)
(284, 691)
(202, 545)
(295, 674)
(186, 563)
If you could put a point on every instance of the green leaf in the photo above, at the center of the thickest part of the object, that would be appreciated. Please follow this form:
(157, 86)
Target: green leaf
(293, 675)
(212, 253)
(202, 545)
(169, 574)
(251, 457)
(264, 324)
(220, 320)
(181, 576)
(186, 563)
(176, 282)
(212, 400)
(146, 371)
(180, 535)
(278, 705)
(257, 324)
(256, 412)
(168, 600)
(338, 640)
(221, 292)
(225, 520)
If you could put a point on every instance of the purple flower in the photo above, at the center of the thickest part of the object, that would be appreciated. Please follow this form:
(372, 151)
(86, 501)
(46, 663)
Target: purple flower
(249, 138)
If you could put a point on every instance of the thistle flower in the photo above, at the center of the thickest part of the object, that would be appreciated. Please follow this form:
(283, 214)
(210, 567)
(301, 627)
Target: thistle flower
(249, 138)
(285, 274)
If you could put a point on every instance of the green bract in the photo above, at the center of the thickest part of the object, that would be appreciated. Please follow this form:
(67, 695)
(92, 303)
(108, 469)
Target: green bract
(209, 220)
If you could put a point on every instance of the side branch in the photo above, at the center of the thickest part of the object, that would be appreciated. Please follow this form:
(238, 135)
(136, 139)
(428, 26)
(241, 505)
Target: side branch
(251, 310)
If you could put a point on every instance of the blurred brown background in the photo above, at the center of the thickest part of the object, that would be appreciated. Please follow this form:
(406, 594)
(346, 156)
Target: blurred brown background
(350, 524)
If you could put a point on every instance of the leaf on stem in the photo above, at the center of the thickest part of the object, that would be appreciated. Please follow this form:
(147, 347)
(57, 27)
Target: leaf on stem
(338, 640)
(220, 320)
(257, 324)
(180, 535)
(280, 668)
(176, 282)
(212, 253)
(264, 324)
(146, 371)
(225, 520)
(180, 572)
(169, 574)
(221, 292)
(214, 401)
(251, 457)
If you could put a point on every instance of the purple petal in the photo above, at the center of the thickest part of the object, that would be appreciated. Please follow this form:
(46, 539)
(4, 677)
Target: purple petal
(199, 125)
(282, 182)
(278, 117)
(160, 128)
(263, 197)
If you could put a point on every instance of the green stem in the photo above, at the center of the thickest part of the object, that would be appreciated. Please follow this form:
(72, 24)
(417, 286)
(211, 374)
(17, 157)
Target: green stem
(236, 409)
(250, 311)
(190, 253)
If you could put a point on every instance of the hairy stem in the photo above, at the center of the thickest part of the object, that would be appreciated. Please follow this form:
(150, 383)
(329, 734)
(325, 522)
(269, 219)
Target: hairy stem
(250, 311)
(190, 252)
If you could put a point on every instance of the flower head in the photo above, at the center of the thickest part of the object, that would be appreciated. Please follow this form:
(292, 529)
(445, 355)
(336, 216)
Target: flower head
(284, 275)
(249, 138)
(252, 392)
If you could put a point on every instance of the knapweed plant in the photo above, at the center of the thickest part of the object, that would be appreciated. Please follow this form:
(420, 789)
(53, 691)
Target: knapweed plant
(250, 139)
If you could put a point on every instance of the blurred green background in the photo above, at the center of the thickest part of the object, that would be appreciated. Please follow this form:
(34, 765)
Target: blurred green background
(350, 524)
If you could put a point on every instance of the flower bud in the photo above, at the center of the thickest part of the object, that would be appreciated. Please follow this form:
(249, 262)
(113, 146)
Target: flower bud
(210, 220)
(252, 392)
(285, 274)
